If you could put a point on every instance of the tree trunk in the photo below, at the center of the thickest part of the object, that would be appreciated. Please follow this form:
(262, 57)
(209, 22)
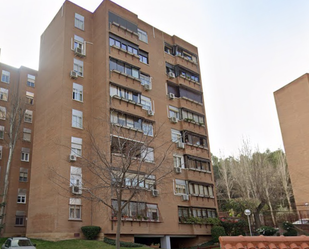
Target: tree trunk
(6, 186)
(118, 230)
(257, 215)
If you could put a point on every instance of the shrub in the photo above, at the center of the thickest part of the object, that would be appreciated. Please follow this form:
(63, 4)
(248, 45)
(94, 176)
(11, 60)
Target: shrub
(290, 229)
(122, 244)
(216, 232)
(292, 232)
(266, 230)
(91, 232)
(213, 221)
(234, 227)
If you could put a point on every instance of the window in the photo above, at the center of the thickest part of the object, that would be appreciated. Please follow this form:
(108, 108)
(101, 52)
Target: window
(76, 176)
(2, 113)
(77, 92)
(195, 139)
(173, 112)
(113, 18)
(4, 94)
(192, 117)
(78, 67)
(1, 132)
(199, 189)
(146, 103)
(75, 209)
(26, 134)
(178, 161)
(134, 209)
(20, 218)
(123, 67)
(148, 129)
(76, 146)
(21, 197)
(197, 163)
(142, 35)
(30, 98)
(176, 136)
(79, 21)
(23, 175)
(125, 94)
(145, 79)
(1, 151)
(77, 119)
(28, 116)
(25, 154)
(180, 187)
(143, 56)
(79, 44)
(186, 54)
(128, 148)
(184, 212)
(168, 48)
(143, 181)
(5, 76)
(147, 154)
(123, 44)
(31, 80)
(126, 120)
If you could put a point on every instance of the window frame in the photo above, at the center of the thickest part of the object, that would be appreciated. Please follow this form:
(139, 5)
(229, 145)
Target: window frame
(5, 76)
(78, 92)
(28, 117)
(142, 35)
(77, 119)
(79, 21)
(31, 80)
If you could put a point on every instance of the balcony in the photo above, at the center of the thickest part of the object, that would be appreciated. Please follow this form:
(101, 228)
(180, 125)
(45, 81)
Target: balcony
(193, 126)
(197, 150)
(125, 80)
(186, 62)
(191, 104)
(123, 32)
(123, 55)
(189, 82)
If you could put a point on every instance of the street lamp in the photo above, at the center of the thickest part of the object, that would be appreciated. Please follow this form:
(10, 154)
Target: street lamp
(247, 213)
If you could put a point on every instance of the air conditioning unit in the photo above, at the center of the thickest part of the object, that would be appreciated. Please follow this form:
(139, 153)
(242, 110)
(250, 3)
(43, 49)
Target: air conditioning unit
(178, 170)
(173, 120)
(185, 197)
(180, 145)
(171, 75)
(79, 51)
(171, 95)
(73, 74)
(72, 158)
(76, 190)
(147, 87)
(150, 113)
(155, 192)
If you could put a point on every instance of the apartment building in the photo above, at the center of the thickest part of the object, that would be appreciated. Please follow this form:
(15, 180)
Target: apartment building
(17, 85)
(110, 64)
(293, 113)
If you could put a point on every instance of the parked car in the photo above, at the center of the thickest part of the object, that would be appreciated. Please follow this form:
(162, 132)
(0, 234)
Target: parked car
(18, 242)
(301, 221)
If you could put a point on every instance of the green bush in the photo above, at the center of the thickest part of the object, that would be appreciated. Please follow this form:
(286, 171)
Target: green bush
(122, 244)
(292, 232)
(234, 227)
(91, 232)
(216, 232)
(266, 230)
(290, 229)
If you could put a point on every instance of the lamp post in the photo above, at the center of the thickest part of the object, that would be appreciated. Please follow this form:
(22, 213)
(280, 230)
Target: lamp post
(247, 213)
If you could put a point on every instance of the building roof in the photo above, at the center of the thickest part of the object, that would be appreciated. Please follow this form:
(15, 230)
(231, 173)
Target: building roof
(264, 242)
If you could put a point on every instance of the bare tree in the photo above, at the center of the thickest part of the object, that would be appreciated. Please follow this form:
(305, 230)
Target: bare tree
(225, 181)
(284, 176)
(122, 164)
(15, 116)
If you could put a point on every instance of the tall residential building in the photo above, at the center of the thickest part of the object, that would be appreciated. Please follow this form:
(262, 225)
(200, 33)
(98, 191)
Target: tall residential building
(111, 65)
(17, 85)
(292, 102)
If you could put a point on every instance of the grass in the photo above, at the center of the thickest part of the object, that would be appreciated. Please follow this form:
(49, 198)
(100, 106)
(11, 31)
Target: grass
(72, 244)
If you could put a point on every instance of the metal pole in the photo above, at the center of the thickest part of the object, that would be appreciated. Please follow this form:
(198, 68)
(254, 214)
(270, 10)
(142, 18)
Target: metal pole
(249, 225)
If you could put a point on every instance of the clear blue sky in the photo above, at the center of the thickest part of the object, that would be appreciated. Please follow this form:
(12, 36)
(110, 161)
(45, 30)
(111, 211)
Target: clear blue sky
(247, 50)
